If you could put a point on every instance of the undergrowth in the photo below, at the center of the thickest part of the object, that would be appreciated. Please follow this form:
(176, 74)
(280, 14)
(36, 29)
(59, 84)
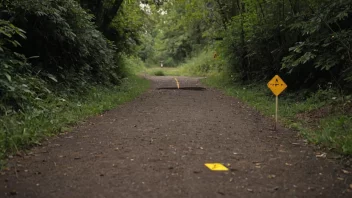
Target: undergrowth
(135, 65)
(26, 128)
(165, 71)
(205, 64)
(159, 73)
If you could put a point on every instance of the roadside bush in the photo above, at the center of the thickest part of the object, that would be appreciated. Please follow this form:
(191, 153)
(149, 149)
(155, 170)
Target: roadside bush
(135, 64)
(159, 73)
(18, 87)
(169, 62)
(202, 65)
(50, 47)
(65, 41)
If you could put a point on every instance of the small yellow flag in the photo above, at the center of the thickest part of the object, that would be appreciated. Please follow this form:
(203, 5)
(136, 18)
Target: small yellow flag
(277, 85)
(216, 167)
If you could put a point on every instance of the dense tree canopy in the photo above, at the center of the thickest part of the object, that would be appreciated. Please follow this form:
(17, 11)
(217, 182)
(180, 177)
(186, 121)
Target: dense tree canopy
(308, 42)
(48, 45)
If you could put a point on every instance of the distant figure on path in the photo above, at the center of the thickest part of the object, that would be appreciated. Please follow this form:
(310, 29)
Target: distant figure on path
(161, 64)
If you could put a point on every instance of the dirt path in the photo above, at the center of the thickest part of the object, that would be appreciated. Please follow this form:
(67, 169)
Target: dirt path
(156, 146)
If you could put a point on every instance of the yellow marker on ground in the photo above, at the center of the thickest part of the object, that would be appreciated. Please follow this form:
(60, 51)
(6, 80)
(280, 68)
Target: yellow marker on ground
(216, 167)
(177, 83)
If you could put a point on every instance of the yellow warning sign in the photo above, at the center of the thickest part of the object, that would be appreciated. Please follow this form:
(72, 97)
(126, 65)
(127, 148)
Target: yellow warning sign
(277, 85)
(216, 167)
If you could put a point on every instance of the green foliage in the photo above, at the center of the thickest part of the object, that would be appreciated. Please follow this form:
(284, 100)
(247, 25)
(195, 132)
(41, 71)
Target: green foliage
(169, 62)
(66, 52)
(104, 11)
(29, 127)
(325, 40)
(333, 132)
(304, 41)
(159, 73)
(179, 31)
(63, 37)
(128, 26)
(135, 65)
(202, 65)
(17, 86)
(167, 71)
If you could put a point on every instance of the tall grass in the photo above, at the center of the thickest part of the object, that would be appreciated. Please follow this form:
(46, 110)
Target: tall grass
(202, 65)
(165, 71)
(133, 65)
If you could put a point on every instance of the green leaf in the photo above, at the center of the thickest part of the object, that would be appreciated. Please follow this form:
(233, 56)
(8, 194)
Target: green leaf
(8, 77)
(33, 57)
(53, 78)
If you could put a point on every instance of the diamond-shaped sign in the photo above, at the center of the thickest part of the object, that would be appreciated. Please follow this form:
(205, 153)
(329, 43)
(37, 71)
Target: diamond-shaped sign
(277, 85)
(216, 167)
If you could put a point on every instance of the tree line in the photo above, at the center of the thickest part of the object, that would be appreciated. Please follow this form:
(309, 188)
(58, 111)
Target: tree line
(308, 42)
